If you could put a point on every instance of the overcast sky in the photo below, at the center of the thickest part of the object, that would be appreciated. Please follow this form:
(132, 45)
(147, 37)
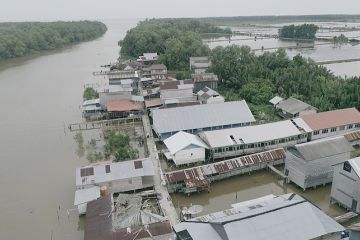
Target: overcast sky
(44, 10)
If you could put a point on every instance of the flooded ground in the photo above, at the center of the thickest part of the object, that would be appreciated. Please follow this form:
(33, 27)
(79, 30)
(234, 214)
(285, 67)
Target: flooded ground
(242, 188)
(318, 51)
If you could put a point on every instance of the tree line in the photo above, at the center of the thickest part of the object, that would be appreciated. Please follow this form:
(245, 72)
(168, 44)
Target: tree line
(175, 40)
(22, 38)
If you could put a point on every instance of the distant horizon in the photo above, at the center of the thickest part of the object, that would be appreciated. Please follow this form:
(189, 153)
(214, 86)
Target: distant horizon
(45, 10)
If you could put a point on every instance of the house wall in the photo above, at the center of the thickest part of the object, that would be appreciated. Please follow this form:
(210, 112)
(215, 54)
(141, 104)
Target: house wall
(198, 85)
(191, 154)
(312, 173)
(238, 150)
(345, 187)
(336, 131)
(218, 99)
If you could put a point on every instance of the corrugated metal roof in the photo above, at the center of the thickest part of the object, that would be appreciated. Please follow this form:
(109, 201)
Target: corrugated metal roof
(181, 140)
(275, 100)
(201, 116)
(323, 148)
(355, 164)
(332, 119)
(353, 136)
(225, 166)
(86, 195)
(285, 217)
(91, 102)
(293, 105)
(207, 92)
(122, 106)
(119, 170)
(250, 134)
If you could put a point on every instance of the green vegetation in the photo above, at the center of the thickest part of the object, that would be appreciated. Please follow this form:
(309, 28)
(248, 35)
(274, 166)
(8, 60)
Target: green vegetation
(174, 39)
(90, 93)
(304, 31)
(118, 145)
(20, 39)
(79, 139)
(242, 74)
(340, 39)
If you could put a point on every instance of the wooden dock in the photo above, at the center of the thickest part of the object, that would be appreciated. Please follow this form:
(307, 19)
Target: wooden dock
(345, 217)
(278, 172)
(103, 123)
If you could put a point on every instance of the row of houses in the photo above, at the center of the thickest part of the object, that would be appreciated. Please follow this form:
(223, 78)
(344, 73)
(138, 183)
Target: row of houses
(229, 130)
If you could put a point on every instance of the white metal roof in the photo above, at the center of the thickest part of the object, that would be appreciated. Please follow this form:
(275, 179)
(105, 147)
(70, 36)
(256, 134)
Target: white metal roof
(201, 116)
(119, 170)
(285, 217)
(323, 148)
(181, 140)
(275, 100)
(355, 164)
(91, 102)
(302, 124)
(250, 134)
(86, 195)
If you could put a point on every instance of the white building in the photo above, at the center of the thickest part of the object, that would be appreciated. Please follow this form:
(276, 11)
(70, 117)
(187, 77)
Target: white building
(345, 189)
(239, 141)
(199, 64)
(117, 177)
(185, 148)
(284, 217)
(207, 95)
(331, 123)
(311, 164)
(275, 100)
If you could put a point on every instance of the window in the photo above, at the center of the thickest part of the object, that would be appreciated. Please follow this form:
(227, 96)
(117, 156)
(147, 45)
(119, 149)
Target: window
(357, 125)
(230, 148)
(350, 126)
(342, 128)
(316, 132)
(333, 129)
(325, 131)
(347, 167)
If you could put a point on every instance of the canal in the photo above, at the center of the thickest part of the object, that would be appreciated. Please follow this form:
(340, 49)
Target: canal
(40, 95)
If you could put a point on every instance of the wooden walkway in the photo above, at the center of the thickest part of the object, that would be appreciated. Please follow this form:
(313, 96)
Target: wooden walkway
(345, 217)
(278, 172)
(103, 123)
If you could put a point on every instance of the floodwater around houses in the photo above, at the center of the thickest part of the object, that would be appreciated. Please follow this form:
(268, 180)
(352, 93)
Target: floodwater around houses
(40, 96)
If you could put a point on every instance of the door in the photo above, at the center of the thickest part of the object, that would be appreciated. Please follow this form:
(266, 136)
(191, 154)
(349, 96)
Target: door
(354, 205)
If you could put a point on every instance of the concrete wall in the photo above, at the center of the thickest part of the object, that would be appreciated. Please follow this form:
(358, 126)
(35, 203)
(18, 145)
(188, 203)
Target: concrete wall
(345, 187)
(192, 154)
(339, 131)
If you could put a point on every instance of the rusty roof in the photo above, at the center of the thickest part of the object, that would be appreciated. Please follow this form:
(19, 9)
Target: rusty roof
(332, 119)
(174, 84)
(353, 136)
(198, 174)
(98, 224)
(153, 102)
(98, 221)
(204, 77)
(122, 106)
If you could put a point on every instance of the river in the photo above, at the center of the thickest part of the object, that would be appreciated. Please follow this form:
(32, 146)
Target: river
(40, 95)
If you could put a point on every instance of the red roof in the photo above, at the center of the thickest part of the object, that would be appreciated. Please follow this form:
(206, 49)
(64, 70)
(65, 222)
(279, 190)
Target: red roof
(332, 119)
(122, 106)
